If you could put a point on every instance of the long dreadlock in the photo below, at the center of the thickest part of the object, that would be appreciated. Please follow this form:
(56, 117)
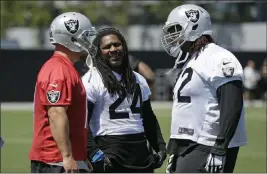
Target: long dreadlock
(128, 79)
(200, 44)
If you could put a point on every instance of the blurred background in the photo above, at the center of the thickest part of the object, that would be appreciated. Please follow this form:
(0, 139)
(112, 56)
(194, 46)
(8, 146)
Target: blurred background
(239, 26)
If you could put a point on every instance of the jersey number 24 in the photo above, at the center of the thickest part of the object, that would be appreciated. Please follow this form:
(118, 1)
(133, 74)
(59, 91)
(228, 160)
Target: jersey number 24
(133, 107)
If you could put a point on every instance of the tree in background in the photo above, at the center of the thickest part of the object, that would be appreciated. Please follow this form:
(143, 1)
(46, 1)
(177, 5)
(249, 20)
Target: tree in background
(25, 13)
(39, 14)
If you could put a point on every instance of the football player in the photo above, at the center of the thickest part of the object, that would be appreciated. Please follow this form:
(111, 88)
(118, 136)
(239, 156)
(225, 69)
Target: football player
(60, 129)
(2, 142)
(120, 113)
(142, 68)
(208, 122)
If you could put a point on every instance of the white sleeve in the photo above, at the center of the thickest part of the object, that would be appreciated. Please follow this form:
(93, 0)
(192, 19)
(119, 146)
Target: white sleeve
(89, 80)
(145, 90)
(224, 70)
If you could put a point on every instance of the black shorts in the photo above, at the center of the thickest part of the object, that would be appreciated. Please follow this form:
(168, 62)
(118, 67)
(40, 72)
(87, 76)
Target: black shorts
(126, 151)
(193, 158)
(40, 167)
(119, 168)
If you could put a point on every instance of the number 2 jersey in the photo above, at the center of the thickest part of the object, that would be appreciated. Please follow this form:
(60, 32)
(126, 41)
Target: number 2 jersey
(196, 112)
(113, 115)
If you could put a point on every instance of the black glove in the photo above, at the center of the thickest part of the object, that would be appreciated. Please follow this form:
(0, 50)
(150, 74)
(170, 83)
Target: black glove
(159, 158)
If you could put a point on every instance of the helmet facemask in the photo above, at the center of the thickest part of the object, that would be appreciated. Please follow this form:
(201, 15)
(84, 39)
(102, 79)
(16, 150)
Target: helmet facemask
(172, 42)
(84, 41)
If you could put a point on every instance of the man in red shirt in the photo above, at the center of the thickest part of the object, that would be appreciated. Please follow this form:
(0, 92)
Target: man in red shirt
(60, 118)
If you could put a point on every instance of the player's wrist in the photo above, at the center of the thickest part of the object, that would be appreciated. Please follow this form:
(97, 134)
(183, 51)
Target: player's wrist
(220, 147)
(218, 151)
(162, 147)
(67, 155)
(162, 154)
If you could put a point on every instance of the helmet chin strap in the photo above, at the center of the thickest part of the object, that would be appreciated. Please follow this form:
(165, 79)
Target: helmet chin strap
(178, 61)
(89, 57)
(89, 62)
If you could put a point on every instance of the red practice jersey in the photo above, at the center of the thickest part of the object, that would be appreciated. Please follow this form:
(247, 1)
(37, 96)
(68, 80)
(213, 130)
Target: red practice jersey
(59, 84)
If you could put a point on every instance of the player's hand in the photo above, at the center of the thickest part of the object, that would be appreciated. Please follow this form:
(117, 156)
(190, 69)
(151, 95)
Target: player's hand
(159, 158)
(70, 165)
(214, 163)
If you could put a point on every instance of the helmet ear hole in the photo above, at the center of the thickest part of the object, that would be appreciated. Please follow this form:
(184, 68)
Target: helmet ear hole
(195, 27)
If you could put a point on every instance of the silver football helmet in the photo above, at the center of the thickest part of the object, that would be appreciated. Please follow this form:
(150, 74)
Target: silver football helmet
(74, 31)
(189, 22)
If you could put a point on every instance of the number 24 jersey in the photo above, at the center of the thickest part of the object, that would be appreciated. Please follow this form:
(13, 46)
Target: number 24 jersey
(114, 115)
(196, 112)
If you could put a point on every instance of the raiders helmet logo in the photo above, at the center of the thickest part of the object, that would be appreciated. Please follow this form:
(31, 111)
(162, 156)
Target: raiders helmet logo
(228, 71)
(72, 25)
(193, 15)
(53, 96)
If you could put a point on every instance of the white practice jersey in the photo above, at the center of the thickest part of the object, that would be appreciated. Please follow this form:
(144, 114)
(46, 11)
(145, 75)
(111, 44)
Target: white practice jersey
(113, 115)
(195, 112)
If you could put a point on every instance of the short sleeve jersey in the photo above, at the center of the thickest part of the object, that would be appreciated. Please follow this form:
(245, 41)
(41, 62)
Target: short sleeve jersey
(196, 111)
(114, 115)
(58, 84)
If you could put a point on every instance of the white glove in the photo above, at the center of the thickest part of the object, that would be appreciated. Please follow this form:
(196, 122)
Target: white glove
(169, 164)
(214, 163)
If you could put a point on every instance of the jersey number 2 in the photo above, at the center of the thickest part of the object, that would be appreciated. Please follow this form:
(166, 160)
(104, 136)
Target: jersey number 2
(134, 109)
(185, 99)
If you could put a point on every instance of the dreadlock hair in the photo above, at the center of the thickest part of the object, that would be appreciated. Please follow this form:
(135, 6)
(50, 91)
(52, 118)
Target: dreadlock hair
(200, 44)
(128, 80)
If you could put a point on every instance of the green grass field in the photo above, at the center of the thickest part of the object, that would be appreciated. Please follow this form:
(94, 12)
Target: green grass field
(16, 129)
